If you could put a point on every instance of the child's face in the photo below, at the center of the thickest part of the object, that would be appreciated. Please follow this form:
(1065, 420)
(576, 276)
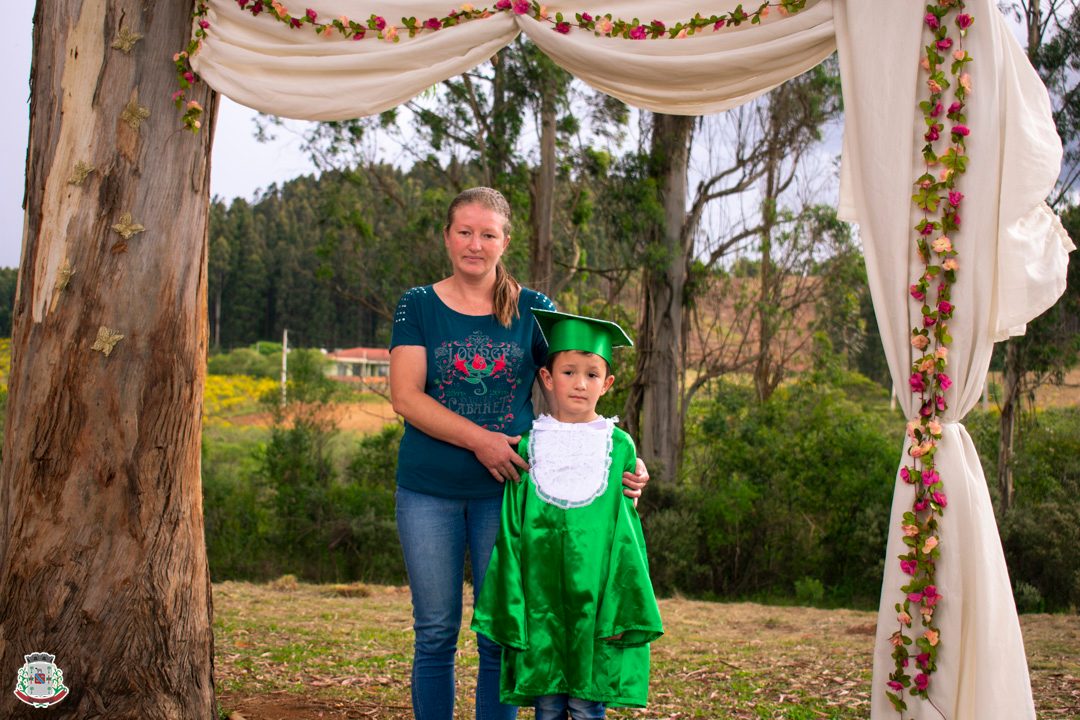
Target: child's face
(575, 383)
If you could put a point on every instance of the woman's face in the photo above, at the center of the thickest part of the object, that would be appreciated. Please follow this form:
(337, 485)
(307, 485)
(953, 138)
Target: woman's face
(475, 240)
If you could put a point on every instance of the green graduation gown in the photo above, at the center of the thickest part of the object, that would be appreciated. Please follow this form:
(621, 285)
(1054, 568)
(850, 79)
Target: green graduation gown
(564, 581)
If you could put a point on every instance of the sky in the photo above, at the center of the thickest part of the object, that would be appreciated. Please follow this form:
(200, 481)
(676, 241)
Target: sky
(239, 167)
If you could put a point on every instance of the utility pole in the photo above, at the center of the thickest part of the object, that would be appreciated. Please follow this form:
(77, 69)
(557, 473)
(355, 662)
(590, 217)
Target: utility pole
(284, 363)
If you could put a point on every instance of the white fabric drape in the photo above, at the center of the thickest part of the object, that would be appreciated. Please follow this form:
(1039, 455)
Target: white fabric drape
(268, 66)
(1013, 256)
(1013, 251)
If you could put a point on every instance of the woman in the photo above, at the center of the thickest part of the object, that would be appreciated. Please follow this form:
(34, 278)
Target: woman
(463, 356)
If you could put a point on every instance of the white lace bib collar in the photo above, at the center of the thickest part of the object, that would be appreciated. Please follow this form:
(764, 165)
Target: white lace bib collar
(570, 461)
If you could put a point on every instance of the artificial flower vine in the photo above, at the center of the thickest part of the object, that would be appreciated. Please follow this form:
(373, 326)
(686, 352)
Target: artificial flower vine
(377, 27)
(937, 197)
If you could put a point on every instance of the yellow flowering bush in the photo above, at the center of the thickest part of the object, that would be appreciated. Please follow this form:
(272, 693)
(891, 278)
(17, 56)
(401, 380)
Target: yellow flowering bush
(227, 395)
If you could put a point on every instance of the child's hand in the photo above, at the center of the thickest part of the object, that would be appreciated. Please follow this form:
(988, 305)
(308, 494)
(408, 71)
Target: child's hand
(635, 482)
(495, 451)
(614, 637)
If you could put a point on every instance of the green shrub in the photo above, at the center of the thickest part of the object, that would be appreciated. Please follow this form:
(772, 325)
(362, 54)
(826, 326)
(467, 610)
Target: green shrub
(809, 591)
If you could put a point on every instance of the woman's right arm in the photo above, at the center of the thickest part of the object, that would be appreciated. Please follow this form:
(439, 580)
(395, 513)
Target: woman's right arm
(408, 372)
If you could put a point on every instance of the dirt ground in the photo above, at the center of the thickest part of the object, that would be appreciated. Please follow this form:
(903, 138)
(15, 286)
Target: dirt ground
(362, 417)
(307, 652)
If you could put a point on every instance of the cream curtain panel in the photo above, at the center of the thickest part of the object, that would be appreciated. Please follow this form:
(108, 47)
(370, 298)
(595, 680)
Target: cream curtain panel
(1013, 251)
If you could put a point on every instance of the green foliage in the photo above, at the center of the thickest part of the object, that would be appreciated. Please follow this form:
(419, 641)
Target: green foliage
(798, 486)
(276, 502)
(9, 279)
(246, 361)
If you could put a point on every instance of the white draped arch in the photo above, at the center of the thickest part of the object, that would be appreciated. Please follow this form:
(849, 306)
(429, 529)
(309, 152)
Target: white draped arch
(1013, 251)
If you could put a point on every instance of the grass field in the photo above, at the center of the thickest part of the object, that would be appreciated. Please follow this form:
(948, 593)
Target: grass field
(300, 652)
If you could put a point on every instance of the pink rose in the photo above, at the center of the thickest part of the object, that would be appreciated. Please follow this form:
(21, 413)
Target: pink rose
(479, 363)
(931, 637)
(189, 76)
(927, 228)
(915, 597)
(502, 5)
(932, 134)
(940, 499)
(562, 27)
(955, 197)
(659, 25)
(955, 108)
(944, 381)
(965, 82)
(719, 24)
(941, 353)
(586, 17)
(895, 685)
(927, 408)
(934, 87)
(944, 307)
(932, 21)
(379, 23)
(637, 32)
(910, 530)
(959, 55)
(920, 342)
(521, 7)
(311, 14)
(295, 22)
(936, 110)
(909, 566)
(921, 681)
(922, 660)
(204, 24)
(950, 264)
(942, 245)
(939, 401)
(433, 23)
(929, 477)
(921, 505)
(963, 21)
(903, 616)
(929, 320)
(928, 547)
(917, 383)
(944, 44)
(916, 292)
(961, 130)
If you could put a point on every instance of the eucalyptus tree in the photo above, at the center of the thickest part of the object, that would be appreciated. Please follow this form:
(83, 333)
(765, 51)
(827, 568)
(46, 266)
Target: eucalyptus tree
(102, 553)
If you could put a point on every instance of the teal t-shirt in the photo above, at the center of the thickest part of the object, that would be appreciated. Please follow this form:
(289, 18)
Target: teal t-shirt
(475, 367)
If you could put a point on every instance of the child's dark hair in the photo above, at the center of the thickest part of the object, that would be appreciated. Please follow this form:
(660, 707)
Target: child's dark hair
(550, 364)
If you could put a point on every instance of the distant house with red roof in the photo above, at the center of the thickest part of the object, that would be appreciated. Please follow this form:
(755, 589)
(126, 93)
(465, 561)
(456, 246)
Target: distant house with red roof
(360, 364)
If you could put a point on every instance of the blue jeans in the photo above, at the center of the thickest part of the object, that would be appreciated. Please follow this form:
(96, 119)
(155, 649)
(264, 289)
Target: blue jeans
(434, 534)
(555, 707)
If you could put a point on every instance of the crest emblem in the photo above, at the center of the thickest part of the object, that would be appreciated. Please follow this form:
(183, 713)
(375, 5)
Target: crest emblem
(40, 682)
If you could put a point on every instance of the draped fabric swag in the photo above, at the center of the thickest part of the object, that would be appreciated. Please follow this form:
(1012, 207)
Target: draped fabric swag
(1013, 251)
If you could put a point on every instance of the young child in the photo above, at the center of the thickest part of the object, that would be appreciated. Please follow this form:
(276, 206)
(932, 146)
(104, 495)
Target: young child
(567, 592)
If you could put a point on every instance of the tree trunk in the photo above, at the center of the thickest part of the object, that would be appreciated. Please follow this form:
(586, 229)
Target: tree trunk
(541, 259)
(102, 554)
(1009, 406)
(655, 390)
(764, 369)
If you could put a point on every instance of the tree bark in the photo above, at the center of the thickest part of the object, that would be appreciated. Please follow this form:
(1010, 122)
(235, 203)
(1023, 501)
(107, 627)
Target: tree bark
(541, 258)
(102, 554)
(655, 390)
(1009, 402)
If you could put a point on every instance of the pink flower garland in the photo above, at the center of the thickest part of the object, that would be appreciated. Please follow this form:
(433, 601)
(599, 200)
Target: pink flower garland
(376, 26)
(939, 200)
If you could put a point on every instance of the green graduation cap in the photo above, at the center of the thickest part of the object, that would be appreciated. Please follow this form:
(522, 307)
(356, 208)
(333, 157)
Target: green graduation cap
(574, 332)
